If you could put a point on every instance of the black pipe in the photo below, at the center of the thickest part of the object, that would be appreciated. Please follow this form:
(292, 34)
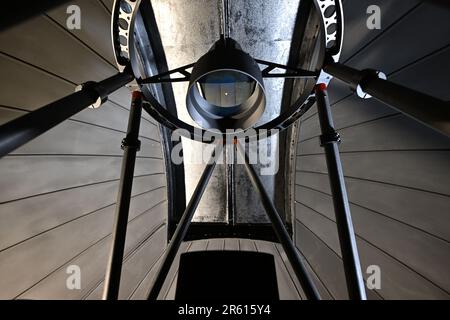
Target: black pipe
(230, 159)
(426, 109)
(19, 131)
(280, 230)
(181, 230)
(131, 146)
(329, 140)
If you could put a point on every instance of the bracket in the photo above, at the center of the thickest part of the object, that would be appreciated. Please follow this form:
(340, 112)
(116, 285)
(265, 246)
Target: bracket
(291, 72)
(328, 138)
(165, 76)
(130, 143)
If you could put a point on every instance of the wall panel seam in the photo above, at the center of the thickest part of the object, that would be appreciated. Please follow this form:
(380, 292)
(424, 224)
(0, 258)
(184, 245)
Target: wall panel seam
(376, 151)
(39, 69)
(84, 250)
(88, 123)
(148, 237)
(175, 276)
(314, 271)
(80, 186)
(326, 245)
(391, 115)
(379, 249)
(379, 181)
(81, 42)
(146, 275)
(87, 155)
(384, 32)
(102, 4)
(80, 217)
(374, 212)
(394, 73)
(289, 274)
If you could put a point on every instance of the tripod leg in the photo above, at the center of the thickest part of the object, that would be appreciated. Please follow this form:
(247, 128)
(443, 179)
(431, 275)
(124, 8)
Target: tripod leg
(329, 140)
(181, 231)
(281, 232)
(131, 145)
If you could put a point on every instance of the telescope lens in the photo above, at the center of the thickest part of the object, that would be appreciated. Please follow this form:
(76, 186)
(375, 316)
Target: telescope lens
(226, 88)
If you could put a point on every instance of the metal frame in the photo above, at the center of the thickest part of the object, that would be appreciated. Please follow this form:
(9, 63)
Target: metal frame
(123, 32)
(436, 115)
(282, 122)
(291, 72)
(23, 129)
(181, 231)
(329, 140)
(124, 13)
(131, 145)
(230, 179)
(426, 109)
(154, 62)
(303, 277)
(165, 76)
(226, 54)
(282, 234)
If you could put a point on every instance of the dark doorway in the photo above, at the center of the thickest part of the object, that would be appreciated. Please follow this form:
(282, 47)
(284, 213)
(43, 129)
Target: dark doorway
(226, 275)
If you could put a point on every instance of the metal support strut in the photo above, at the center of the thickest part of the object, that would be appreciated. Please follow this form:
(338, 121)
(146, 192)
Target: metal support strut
(329, 141)
(280, 230)
(426, 109)
(181, 230)
(131, 146)
(27, 127)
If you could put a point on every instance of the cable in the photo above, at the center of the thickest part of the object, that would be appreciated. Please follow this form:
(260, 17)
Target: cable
(224, 19)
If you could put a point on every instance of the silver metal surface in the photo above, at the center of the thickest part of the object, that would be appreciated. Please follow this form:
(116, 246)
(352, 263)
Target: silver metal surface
(188, 28)
(264, 30)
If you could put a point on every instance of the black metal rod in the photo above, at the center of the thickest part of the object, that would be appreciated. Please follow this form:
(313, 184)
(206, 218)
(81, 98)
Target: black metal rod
(181, 230)
(280, 230)
(292, 72)
(130, 146)
(29, 126)
(230, 154)
(426, 109)
(162, 77)
(330, 140)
